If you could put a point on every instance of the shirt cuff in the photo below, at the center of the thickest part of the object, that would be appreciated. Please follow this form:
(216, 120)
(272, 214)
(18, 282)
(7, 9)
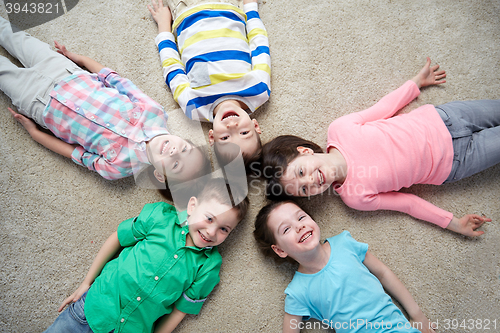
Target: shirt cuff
(164, 36)
(77, 155)
(188, 305)
(252, 6)
(103, 74)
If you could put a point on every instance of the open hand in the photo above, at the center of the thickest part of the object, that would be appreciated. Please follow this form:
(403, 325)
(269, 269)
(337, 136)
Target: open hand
(27, 123)
(76, 58)
(468, 224)
(429, 75)
(162, 15)
(74, 297)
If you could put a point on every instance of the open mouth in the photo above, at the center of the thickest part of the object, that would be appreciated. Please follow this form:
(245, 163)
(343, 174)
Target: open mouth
(203, 237)
(305, 237)
(164, 147)
(230, 114)
(321, 178)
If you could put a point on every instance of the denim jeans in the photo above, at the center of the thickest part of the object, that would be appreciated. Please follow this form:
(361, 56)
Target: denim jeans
(475, 129)
(72, 319)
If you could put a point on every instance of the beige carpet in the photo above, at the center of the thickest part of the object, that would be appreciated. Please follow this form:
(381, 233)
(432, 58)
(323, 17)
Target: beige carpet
(329, 58)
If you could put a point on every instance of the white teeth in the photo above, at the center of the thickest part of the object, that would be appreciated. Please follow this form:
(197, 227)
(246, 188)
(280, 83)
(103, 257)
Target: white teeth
(306, 236)
(164, 148)
(202, 236)
(321, 179)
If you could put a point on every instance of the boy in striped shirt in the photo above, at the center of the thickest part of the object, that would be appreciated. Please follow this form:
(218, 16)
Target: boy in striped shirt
(216, 61)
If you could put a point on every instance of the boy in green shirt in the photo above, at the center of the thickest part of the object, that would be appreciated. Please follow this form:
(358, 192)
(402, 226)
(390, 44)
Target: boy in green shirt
(168, 266)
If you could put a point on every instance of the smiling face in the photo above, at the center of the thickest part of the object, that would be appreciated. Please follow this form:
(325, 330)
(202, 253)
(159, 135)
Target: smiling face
(210, 222)
(294, 231)
(173, 157)
(233, 124)
(308, 174)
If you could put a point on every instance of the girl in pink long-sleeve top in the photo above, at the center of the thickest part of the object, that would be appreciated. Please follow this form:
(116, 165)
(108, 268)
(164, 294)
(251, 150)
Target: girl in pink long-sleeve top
(372, 154)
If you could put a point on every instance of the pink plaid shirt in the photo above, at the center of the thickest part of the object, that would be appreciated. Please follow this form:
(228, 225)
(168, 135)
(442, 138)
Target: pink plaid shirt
(109, 119)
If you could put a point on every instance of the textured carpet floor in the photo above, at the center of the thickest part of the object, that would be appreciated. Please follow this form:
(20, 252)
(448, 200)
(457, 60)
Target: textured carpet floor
(329, 58)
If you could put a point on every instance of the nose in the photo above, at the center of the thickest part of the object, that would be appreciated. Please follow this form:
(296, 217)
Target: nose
(300, 227)
(211, 231)
(172, 151)
(231, 124)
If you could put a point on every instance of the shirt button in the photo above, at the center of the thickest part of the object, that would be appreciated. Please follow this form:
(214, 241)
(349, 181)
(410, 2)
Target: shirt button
(138, 298)
(183, 232)
(156, 278)
(176, 256)
(92, 117)
(122, 320)
(123, 131)
(107, 125)
(77, 109)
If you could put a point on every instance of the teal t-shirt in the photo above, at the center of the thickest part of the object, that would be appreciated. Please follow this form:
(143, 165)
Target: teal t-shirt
(154, 271)
(344, 295)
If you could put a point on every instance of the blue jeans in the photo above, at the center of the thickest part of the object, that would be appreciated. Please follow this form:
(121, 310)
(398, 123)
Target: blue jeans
(475, 129)
(72, 319)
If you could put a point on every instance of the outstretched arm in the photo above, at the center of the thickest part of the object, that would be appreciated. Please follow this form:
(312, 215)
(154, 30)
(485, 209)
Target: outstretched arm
(169, 322)
(82, 61)
(429, 76)
(291, 323)
(108, 249)
(395, 287)
(45, 139)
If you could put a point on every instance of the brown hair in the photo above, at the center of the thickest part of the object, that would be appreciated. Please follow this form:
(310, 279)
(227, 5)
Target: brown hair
(263, 235)
(217, 188)
(276, 155)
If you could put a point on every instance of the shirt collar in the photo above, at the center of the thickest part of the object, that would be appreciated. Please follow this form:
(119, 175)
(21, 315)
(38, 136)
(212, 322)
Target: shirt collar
(183, 223)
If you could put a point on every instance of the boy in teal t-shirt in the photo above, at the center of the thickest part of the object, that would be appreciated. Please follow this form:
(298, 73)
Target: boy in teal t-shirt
(168, 266)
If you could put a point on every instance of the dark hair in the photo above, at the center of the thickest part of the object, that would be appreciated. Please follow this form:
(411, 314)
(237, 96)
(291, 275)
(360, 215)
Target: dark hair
(263, 235)
(276, 155)
(217, 188)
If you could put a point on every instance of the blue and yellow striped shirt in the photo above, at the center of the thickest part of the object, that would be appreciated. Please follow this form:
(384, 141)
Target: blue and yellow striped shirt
(216, 51)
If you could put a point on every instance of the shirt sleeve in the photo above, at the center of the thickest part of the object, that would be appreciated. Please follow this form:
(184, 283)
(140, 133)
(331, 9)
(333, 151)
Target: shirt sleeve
(99, 164)
(174, 71)
(389, 104)
(258, 42)
(410, 204)
(295, 307)
(135, 229)
(125, 87)
(358, 248)
(193, 298)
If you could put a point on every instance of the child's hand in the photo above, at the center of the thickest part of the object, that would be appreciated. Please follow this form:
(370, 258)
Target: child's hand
(162, 15)
(468, 224)
(429, 75)
(76, 58)
(75, 296)
(27, 123)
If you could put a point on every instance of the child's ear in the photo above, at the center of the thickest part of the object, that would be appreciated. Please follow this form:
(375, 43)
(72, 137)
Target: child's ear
(159, 176)
(211, 138)
(192, 203)
(257, 128)
(279, 251)
(305, 151)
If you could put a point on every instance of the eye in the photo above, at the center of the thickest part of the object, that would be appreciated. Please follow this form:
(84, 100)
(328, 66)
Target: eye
(301, 172)
(224, 138)
(303, 190)
(184, 149)
(245, 132)
(286, 229)
(176, 164)
(209, 218)
(302, 217)
(225, 230)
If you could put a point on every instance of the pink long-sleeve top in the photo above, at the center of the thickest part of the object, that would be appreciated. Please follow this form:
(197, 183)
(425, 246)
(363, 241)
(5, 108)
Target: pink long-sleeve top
(386, 153)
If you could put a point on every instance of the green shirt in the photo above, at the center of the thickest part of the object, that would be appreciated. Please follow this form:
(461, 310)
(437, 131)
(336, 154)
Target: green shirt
(154, 272)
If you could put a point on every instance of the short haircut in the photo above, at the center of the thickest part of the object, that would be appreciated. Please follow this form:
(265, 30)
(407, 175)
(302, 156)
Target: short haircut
(276, 155)
(232, 196)
(264, 235)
